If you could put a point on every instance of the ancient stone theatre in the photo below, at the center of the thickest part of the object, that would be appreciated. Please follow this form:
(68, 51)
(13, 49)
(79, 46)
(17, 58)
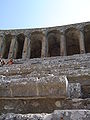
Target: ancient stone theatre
(49, 78)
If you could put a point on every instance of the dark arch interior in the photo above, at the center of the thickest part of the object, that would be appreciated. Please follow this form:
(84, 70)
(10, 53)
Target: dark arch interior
(20, 44)
(53, 43)
(72, 42)
(87, 38)
(7, 42)
(36, 45)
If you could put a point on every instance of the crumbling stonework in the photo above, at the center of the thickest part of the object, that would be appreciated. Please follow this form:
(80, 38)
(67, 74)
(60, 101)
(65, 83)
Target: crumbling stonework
(45, 42)
(50, 72)
(22, 84)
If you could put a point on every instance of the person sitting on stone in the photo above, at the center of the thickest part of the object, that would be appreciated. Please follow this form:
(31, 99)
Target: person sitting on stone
(10, 62)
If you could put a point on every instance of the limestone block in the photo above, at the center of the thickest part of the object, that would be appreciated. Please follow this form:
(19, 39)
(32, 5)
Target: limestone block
(74, 90)
(53, 86)
(18, 89)
(50, 86)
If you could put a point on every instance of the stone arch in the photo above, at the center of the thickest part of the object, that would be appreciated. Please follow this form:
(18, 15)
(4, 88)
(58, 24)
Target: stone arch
(87, 38)
(53, 43)
(19, 45)
(6, 45)
(36, 44)
(72, 41)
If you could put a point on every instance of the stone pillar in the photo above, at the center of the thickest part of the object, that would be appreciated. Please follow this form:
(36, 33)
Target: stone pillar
(81, 42)
(46, 40)
(1, 44)
(25, 48)
(15, 48)
(43, 51)
(28, 47)
(62, 44)
(12, 47)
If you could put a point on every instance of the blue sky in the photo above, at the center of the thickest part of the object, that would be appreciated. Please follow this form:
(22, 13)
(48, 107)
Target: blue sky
(42, 13)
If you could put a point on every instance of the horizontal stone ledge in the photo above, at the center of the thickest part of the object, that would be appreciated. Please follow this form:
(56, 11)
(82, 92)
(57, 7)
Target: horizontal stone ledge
(52, 86)
(42, 105)
(30, 98)
(56, 115)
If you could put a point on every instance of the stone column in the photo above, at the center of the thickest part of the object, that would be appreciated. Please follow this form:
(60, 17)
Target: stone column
(46, 40)
(28, 47)
(12, 47)
(25, 48)
(15, 49)
(1, 44)
(62, 44)
(81, 42)
(43, 51)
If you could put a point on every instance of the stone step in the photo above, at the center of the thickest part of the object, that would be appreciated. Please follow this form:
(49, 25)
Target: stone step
(56, 115)
(52, 86)
(35, 85)
(68, 65)
(79, 88)
(37, 105)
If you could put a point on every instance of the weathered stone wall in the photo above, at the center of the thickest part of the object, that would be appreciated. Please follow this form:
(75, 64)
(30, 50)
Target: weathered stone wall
(43, 42)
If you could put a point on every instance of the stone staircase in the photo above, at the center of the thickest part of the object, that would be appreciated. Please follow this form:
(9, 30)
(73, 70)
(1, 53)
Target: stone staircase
(42, 85)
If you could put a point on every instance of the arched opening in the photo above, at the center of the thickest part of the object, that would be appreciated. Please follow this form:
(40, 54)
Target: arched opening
(53, 43)
(20, 44)
(72, 41)
(87, 38)
(6, 46)
(36, 44)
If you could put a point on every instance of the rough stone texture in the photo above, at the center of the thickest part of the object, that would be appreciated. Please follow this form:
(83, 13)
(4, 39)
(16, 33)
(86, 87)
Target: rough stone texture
(40, 84)
(71, 115)
(56, 115)
(86, 91)
(74, 90)
(76, 68)
(41, 42)
(27, 105)
(51, 86)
